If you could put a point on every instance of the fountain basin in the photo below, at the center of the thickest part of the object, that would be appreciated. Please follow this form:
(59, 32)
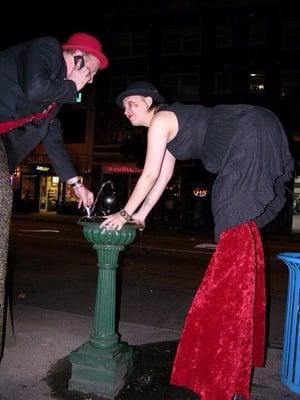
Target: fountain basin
(94, 234)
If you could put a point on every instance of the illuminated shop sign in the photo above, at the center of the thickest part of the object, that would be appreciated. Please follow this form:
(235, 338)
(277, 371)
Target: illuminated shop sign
(42, 168)
(121, 169)
(199, 192)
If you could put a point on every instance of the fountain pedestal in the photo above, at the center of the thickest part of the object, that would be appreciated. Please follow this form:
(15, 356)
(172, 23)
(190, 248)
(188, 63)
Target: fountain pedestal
(103, 365)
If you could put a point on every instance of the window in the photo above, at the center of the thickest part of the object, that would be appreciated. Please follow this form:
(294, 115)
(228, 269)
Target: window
(290, 82)
(181, 41)
(224, 35)
(181, 86)
(186, 5)
(222, 82)
(118, 131)
(291, 34)
(141, 7)
(129, 7)
(169, 84)
(74, 124)
(257, 34)
(256, 82)
(131, 45)
(236, 2)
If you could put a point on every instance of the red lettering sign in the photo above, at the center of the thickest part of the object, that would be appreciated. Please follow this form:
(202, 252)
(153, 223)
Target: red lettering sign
(121, 169)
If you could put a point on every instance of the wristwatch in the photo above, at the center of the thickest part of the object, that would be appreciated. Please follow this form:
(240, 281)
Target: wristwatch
(125, 215)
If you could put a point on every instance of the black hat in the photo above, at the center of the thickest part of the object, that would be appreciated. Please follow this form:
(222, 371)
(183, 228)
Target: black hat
(140, 88)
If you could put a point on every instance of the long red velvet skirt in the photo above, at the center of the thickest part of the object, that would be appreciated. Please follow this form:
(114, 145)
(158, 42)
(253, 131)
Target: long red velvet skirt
(224, 332)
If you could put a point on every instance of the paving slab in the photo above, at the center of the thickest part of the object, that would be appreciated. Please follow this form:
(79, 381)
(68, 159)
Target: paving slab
(35, 365)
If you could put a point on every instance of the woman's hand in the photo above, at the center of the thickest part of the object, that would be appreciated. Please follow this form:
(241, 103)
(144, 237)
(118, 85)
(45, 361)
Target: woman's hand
(116, 222)
(113, 221)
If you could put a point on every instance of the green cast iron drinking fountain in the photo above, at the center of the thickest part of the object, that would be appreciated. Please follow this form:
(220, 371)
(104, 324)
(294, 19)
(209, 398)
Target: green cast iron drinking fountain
(103, 365)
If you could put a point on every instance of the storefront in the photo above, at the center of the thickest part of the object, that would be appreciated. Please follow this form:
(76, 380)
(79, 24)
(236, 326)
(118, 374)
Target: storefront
(38, 189)
(124, 176)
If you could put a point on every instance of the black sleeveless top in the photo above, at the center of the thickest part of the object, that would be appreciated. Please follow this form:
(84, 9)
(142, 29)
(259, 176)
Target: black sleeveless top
(192, 127)
(247, 147)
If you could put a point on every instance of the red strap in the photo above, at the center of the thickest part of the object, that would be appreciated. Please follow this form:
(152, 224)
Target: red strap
(7, 126)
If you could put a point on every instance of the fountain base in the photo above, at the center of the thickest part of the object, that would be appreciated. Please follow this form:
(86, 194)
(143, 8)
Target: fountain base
(103, 372)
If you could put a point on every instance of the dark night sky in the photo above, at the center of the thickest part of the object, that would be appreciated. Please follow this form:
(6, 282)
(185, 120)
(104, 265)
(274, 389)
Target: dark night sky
(23, 20)
(47, 19)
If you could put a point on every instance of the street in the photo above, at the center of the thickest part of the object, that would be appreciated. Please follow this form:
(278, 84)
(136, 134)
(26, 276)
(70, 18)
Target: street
(53, 274)
(53, 267)
(57, 270)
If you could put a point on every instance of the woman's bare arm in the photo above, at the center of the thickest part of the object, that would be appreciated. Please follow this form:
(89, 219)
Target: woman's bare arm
(161, 129)
(157, 190)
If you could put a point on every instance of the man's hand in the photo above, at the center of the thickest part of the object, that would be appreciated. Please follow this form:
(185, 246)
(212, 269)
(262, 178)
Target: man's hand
(86, 198)
(80, 76)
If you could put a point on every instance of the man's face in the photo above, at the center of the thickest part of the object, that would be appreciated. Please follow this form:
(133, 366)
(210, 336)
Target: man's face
(92, 63)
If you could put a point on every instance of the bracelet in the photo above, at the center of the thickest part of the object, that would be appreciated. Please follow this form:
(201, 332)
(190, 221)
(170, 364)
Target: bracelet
(125, 215)
(76, 184)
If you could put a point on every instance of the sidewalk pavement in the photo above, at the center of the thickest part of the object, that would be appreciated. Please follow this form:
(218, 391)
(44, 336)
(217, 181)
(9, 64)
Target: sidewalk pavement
(35, 365)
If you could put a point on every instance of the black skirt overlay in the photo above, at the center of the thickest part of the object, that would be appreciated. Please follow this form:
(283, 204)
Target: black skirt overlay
(246, 146)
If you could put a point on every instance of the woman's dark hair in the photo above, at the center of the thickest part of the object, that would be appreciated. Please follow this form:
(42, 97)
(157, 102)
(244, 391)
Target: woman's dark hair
(156, 106)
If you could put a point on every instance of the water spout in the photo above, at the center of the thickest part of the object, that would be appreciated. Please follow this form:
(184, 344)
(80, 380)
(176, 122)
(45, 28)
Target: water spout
(104, 203)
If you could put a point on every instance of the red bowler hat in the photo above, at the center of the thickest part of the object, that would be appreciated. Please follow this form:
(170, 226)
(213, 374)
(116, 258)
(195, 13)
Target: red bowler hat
(89, 44)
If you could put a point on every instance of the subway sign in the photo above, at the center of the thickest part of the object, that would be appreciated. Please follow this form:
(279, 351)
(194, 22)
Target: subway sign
(37, 159)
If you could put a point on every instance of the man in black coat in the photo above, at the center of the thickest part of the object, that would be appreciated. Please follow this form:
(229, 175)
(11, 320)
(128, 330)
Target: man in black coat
(36, 78)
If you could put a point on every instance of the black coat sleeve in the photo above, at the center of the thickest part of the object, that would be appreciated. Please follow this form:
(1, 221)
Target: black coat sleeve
(56, 151)
(42, 72)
